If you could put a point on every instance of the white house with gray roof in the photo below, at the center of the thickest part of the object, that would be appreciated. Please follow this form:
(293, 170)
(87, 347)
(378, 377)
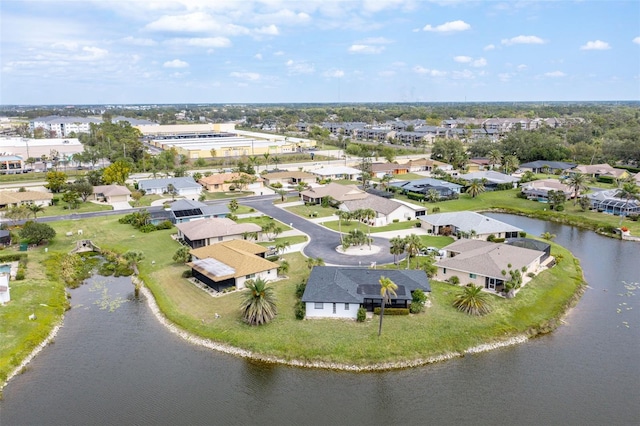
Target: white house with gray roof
(491, 179)
(200, 233)
(386, 210)
(468, 224)
(338, 292)
(487, 264)
(184, 187)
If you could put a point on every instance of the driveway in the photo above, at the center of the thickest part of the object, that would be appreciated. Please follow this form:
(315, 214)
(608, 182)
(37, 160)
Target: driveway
(322, 240)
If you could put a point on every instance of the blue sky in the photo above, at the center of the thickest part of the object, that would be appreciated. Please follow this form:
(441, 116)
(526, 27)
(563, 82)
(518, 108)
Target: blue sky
(228, 51)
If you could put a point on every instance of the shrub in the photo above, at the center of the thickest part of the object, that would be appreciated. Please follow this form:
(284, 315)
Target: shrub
(300, 310)
(229, 289)
(435, 210)
(362, 314)
(454, 280)
(165, 224)
(606, 179)
(392, 311)
(418, 296)
(498, 240)
(491, 238)
(416, 307)
(273, 258)
(559, 208)
(396, 220)
(20, 274)
(147, 228)
(187, 273)
(300, 289)
(522, 234)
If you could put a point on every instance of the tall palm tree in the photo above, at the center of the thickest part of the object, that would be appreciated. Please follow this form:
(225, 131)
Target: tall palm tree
(133, 257)
(510, 164)
(259, 304)
(384, 181)
(266, 156)
(578, 183)
(387, 289)
(433, 195)
(629, 191)
(275, 160)
(472, 301)
(282, 247)
(413, 244)
(34, 209)
(396, 248)
(369, 215)
(475, 188)
(495, 157)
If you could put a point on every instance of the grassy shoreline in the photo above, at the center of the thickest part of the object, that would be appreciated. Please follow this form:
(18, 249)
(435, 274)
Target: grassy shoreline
(439, 333)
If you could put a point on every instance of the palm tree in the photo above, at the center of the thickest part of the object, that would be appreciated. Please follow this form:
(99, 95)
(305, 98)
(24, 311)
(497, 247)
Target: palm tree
(578, 183)
(368, 215)
(266, 156)
(495, 157)
(433, 195)
(311, 262)
(384, 181)
(276, 160)
(133, 258)
(472, 300)
(34, 209)
(548, 236)
(253, 160)
(629, 191)
(413, 244)
(258, 306)
(283, 268)
(282, 193)
(387, 288)
(396, 248)
(510, 164)
(282, 247)
(475, 188)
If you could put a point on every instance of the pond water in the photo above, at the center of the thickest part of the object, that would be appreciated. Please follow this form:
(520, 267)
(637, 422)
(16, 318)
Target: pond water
(113, 363)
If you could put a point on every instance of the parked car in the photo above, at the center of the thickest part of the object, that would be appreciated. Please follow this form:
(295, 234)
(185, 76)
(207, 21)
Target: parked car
(426, 251)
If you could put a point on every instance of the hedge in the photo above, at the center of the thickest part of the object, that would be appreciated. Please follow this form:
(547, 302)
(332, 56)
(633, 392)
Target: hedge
(392, 311)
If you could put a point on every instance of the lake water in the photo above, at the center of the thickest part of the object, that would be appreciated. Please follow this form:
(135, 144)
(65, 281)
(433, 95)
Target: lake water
(113, 363)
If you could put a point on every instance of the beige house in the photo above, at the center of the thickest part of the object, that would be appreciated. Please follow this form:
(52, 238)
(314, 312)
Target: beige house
(16, 198)
(597, 170)
(231, 263)
(339, 193)
(111, 193)
(288, 178)
(387, 211)
(201, 233)
(539, 189)
(482, 263)
(426, 165)
(223, 182)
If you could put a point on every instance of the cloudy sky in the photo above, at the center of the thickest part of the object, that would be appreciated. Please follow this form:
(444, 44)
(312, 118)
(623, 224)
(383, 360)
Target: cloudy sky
(244, 51)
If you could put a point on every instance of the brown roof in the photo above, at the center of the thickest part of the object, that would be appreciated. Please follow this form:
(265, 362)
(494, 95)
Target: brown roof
(553, 184)
(383, 167)
(110, 190)
(14, 197)
(240, 255)
(600, 169)
(336, 191)
(215, 227)
(221, 178)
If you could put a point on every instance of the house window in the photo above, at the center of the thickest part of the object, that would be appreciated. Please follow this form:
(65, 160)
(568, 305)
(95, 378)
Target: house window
(444, 271)
(473, 276)
(220, 238)
(250, 276)
(334, 308)
(346, 306)
(318, 305)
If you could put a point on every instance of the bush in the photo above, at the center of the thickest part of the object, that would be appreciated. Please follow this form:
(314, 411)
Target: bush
(165, 224)
(362, 314)
(20, 274)
(491, 238)
(522, 234)
(435, 210)
(498, 240)
(396, 220)
(300, 310)
(416, 307)
(559, 208)
(418, 296)
(300, 288)
(273, 258)
(187, 274)
(229, 289)
(606, 179)
(454, 280)
(392, 311)
(147, 228)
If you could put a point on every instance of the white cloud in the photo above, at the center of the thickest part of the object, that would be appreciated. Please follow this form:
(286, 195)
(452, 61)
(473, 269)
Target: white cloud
(250, 76)
(197, 22)
(505, 77)
(521, 67)
(299, 67)
(139, 41)
(489, 47)
(388, 73)
(333, 73)
(595, 45)
(366, 49)
(201, 42)
(448, 27)
(65, 45)
(176, 63)
(463, 59)
(636, 40)
(91, 53)
(463, 75)
(278, 53)
(480, 62)
(268, 30)
(258, 56)
(521, 39)
(555, 74)
(418, 69)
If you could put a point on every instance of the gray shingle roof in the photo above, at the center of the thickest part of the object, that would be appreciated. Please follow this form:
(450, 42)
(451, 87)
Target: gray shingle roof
(178, 183)
(331, 284)
(378, 204)
(467, 221)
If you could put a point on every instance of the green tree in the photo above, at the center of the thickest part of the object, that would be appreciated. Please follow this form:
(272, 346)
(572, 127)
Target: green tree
(413, 244)
(510, 164)
(475, 187)
(282, 247)
(495, 157)
(387, 289)
(34, 209)
(182, 255)
(233, 206)
(16, 213)
(397, 246)
(283, 268)
(117, 173)
(36, 233)
(472, 301)
(628, 192)
(282, 193)
(578, 183)
(259, 304)
(433, 196)
(311, 262)
(82, 187)
(133, 258)
(548, 236)
(56, 181)
(72, 198)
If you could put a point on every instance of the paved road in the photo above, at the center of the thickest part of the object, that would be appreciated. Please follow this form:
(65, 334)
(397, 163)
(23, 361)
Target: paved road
(323, 241)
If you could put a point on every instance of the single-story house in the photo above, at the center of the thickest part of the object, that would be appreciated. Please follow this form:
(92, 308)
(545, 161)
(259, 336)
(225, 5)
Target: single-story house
(542, 166)
(491, 179)
(111, 193)
(423, 186)
(187, 210)
(386, 210)
(597, 170)
(338, 292)
(223, 182)
(380, 169)
(426, 165)
(200, 233)
(184, 187)
(532, 244)
(539, 189)
(11, 164)
(482, 263)
(288, 178)
(337, 172)
(608, 201)
(478, 164)
(468, 225)
(231, 263)
(339, 193)
(17, 198)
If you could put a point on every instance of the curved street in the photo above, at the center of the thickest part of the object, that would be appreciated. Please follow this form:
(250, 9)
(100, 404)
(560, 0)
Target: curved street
(322, 241)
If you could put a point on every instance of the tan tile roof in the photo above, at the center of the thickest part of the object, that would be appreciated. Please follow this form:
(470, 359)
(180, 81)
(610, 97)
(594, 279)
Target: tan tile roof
(14, 197)
(215, 227)
(553, 184)
(110, 190)
(237, 254)
(378, 204)
(291, 174)
(600, 169)
(336, 191)
(221, 178)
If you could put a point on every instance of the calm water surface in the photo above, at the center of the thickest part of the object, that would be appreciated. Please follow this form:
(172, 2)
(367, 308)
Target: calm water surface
(112, 363)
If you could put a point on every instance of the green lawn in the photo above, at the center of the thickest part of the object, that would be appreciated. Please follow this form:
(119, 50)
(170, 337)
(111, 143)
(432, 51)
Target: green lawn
(62, 209)
(262, 221)
(351, 225)
(316, 210)
(296, 239)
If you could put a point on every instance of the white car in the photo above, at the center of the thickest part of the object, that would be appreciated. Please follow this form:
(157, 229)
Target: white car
(432, 250)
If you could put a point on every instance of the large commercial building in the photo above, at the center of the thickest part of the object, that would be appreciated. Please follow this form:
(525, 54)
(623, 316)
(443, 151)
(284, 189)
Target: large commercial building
(61, 127)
